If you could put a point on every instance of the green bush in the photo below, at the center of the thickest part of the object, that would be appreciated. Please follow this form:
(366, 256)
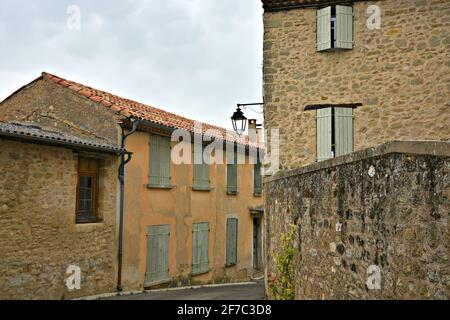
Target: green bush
(281, 285)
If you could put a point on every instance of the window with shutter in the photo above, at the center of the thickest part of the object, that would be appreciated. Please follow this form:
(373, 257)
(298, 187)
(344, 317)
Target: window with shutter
(334, 28)
(200, 248)
(334, 132)
(232, 232)
(257, 178)
(159, 162)
(343, 130)
(201, 179)
(157, 255)
(324, 132)
(232, 173)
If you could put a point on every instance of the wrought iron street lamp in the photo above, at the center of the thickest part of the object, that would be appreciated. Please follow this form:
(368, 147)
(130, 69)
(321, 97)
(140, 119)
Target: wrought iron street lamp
(238, 118)
(239, 121)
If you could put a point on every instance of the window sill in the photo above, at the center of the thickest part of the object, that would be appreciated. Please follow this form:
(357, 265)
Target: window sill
(88, 221)
(150, 186)
(200, 273)
(257, 195)
(334, 49)
(232, 193)
(86, 229)
(156, 283)
(230, 265)
(201, 189)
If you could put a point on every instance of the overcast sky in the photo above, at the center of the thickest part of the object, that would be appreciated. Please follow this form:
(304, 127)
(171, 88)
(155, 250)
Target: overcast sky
(197, 58)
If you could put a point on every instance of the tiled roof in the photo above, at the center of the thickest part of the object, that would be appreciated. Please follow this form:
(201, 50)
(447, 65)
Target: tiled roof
(286, 4)
(130, 108)
(33, 133)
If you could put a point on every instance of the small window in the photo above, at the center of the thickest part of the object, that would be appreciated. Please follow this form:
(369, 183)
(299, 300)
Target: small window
(334, 28)
(232, 172)
(334, 132)
(159, 162)
(200, 248)
(87, 191)
(232, 234)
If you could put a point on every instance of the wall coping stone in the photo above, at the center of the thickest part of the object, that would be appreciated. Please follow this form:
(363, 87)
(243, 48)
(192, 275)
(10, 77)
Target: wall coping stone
(417, 147)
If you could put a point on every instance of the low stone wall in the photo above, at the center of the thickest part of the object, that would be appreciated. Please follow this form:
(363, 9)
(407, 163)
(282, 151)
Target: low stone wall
(39, 239)
(375, 217)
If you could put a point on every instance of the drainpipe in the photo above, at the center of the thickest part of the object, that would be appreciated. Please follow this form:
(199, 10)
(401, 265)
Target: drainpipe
(123, 162)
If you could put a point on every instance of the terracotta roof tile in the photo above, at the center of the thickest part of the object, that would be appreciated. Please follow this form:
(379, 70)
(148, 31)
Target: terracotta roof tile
(130, 108)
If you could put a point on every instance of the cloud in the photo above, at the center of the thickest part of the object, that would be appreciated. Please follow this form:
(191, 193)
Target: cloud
(197, 58)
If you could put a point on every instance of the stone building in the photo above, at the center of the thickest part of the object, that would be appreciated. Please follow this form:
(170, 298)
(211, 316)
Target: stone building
(52, 184)
(333, 90)
(184, 223)
(343, 81)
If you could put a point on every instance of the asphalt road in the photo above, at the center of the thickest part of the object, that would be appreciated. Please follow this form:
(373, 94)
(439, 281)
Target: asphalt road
(254, 291)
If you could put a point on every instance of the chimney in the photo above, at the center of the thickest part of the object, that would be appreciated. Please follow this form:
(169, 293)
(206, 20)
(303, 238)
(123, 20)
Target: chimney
(251, 124)
(254, 131)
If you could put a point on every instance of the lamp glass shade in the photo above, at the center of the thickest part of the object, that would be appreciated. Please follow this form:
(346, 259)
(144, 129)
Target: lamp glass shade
(239, 121)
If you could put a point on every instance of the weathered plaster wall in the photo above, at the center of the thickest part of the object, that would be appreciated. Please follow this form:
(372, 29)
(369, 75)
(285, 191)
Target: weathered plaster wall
(180, 207)
(49, 105)
(348, 220)
(38, 235)
(400, 74)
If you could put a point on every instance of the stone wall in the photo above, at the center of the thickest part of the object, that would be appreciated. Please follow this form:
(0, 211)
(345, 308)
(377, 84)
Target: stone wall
(400, 74)
(386, 207)
(38, 235)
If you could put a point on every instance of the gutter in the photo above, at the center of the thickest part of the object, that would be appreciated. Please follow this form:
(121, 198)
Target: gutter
(121, 177)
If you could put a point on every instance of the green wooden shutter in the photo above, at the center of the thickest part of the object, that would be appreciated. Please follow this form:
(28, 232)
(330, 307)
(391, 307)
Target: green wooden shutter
(201, 178)
(324, 134)
(344, 23)
(343, 130)
(257, 178)
(231, 249)
(157, 254)
(232, 172)
(154, 163)
(159, 162)
(164, 159)
(324, 29)
(200, 247)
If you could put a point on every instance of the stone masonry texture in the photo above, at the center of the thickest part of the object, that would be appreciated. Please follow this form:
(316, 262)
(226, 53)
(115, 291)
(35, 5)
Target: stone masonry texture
(48, 105)
(386, 209)
(400, 74)
(38, 235)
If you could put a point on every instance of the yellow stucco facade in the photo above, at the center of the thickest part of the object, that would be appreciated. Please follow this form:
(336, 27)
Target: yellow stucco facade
(180, 207)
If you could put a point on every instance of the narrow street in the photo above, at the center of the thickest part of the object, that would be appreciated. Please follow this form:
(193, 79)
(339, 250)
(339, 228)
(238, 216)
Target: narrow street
(254, 291)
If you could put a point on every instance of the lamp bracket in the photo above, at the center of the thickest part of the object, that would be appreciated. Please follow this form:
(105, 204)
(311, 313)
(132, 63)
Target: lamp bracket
(249, 106)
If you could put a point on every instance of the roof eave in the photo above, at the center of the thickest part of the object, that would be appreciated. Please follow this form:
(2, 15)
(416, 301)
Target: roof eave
(60, 143)
(170, 130)
(289, 5)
